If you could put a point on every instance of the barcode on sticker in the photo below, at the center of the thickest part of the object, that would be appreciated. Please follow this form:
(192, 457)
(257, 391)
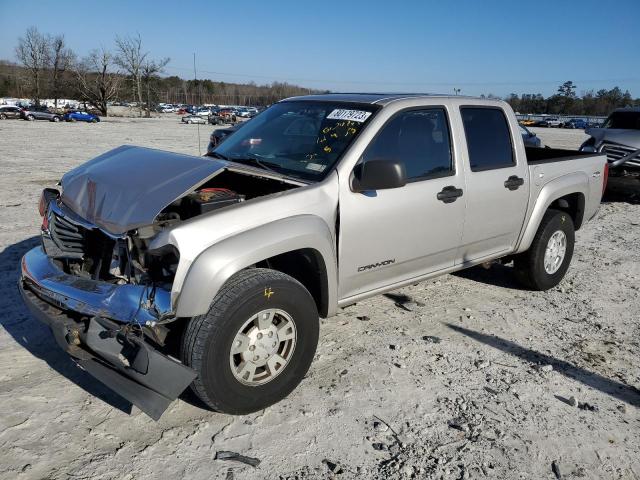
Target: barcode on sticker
(352, 115)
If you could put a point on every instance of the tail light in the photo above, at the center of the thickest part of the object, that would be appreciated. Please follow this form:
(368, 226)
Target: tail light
(605, 177)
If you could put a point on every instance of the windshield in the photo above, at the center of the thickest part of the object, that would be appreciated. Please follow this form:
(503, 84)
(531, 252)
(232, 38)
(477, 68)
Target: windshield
(623, 120)
(299, 139)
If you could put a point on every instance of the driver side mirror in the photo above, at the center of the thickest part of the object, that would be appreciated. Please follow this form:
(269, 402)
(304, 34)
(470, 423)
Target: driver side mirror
(378, 175)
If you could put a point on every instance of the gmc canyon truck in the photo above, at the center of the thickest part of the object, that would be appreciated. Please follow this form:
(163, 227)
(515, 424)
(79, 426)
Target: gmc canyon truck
(158, 271)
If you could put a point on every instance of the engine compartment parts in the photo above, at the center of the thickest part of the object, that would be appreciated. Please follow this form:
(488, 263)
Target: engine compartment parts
(209, 199)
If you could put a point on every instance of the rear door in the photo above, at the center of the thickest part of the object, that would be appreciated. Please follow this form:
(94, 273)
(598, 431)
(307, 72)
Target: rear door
(497, 188)
(388, 236)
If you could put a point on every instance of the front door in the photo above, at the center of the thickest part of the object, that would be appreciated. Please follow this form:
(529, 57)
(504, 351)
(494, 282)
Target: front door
(389, 236)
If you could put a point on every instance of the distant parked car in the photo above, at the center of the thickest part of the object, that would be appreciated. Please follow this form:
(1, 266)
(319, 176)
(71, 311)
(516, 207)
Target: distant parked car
(550, 122)
(39, 113)
(530, 139)
(223, 116)
(576, 123)
(78, 116)
(193, 119)
(166, 108)
(220, 135)
(9, 112)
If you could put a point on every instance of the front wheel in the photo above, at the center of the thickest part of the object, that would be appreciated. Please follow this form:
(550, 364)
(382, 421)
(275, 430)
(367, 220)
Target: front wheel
(544, 265)
(255, 344)
(3, 116)
(55, 119)
(30, 118)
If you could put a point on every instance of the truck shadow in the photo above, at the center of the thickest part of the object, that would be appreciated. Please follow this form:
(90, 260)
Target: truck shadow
(36, 337)
(498, 275)
(626, 393)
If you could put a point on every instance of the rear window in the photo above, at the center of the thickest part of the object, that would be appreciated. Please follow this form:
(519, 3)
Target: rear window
(488, 138)
(623, 121)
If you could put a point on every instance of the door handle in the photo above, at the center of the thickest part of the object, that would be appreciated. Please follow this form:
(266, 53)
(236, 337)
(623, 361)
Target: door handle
(449, 194)
(513, 182)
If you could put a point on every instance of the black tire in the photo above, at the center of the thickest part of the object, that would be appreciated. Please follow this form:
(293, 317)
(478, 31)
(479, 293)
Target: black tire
(94, 120)
(529, 266)
(30, 118)
(55, 119)
(3, 116)
(207, 340)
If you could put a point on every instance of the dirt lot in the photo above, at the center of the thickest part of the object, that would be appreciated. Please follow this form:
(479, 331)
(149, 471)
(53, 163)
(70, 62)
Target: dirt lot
(467, 376)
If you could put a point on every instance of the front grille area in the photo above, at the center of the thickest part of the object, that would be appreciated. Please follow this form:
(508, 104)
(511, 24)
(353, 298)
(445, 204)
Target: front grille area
(615, 152)
(62, 238)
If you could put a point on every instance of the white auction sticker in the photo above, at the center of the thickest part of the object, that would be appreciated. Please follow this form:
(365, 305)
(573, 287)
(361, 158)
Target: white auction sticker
(316, 167)
(352, 115)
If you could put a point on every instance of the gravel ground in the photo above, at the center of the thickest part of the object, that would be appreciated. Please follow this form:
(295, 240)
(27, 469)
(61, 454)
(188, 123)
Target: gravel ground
(466, 376)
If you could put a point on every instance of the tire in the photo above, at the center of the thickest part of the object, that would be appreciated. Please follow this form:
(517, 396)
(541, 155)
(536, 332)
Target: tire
(208, 340)
(55, 119)
(30, 118)
(71, 119)
(94, 120)
(530, 266)
(3, 116)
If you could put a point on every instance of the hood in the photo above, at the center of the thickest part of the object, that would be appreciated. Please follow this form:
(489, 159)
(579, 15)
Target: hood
(128, 187)
(628, 137)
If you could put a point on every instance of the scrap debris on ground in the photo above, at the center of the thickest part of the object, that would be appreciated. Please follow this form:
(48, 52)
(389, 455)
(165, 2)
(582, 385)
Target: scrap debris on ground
(464, 376)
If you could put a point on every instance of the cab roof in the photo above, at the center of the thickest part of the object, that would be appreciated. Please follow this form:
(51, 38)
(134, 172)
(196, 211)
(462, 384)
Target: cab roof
(371, 98)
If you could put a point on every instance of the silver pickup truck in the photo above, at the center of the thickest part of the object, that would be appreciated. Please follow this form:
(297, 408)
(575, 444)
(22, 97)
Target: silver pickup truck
(158, 270)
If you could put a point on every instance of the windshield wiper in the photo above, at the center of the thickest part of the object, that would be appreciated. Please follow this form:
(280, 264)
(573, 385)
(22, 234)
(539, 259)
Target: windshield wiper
(254, 160)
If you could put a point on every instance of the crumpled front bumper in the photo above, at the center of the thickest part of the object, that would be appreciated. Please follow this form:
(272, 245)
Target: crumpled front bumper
(89, 320)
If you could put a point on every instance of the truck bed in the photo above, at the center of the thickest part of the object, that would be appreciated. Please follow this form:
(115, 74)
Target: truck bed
(536, 156)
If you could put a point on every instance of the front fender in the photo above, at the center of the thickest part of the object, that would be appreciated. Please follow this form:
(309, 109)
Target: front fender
(213, 267)
(559, 187)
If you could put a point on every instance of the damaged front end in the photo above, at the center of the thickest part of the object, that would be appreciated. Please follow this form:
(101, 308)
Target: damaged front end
(101, 279)
(107, 302)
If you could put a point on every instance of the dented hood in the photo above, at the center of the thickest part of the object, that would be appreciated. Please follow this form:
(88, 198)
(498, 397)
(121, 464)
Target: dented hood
(628, 137)
(128, 187)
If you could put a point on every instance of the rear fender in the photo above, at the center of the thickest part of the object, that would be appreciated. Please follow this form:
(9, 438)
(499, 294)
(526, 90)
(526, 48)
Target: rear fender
(215, 265)
(557, 188)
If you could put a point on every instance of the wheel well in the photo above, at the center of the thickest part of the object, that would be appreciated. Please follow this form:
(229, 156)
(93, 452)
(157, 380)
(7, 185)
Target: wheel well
(307, 266)
(573, 204)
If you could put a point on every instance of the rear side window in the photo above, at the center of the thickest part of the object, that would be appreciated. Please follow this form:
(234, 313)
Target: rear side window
(488, 138)
(417, 138)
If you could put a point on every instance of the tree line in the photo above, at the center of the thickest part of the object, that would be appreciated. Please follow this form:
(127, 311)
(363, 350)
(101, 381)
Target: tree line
(566, 102)
(48, 68)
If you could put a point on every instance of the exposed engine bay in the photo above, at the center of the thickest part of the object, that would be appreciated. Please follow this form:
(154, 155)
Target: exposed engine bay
(86, 251)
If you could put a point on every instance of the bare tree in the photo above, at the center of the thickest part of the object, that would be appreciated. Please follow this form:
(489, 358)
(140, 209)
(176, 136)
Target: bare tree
(150, 69)
(131, 59)
(61, 59)
(33, 52)
(98, 81)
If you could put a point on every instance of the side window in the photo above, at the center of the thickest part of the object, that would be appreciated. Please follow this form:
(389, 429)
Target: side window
(488, 138)
(419, 139)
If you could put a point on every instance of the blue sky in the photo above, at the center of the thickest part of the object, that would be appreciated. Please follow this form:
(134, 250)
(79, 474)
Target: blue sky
(490, 46)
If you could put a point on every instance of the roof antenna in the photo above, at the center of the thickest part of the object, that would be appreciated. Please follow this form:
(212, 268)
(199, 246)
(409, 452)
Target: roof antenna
(195, 84)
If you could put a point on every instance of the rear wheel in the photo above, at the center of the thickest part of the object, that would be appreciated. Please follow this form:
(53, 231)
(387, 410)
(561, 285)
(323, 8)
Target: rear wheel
(544, 265)
(94, 120)
(55, 119)
(3, 116)
(255, 344)
(30, 117)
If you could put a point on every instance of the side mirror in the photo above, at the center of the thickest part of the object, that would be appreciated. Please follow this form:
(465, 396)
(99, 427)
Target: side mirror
(378, 175)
